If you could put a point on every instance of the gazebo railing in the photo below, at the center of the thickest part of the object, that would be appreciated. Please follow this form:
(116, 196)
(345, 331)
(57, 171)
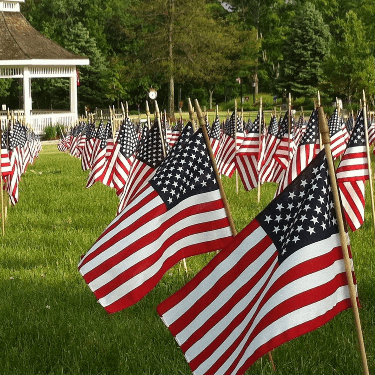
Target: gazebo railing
(40, 119)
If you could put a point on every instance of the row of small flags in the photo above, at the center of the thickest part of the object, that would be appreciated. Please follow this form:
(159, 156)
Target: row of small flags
(19, 148)
(281, 276)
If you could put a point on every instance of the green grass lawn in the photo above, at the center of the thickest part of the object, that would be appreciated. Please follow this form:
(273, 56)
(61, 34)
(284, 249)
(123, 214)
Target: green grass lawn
(51, 323)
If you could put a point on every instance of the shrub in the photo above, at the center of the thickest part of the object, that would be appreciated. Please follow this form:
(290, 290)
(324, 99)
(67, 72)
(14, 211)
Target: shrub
(59, 130)
(49, 132)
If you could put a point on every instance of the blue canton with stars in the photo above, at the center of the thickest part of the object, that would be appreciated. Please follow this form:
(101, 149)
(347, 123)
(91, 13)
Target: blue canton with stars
(303, 213)
(215, 129)
(357, 137)
(185, 173)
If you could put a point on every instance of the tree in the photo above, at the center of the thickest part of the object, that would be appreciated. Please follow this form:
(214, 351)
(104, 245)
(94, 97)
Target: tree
(350, 68)
(182, 41)
(305, 49)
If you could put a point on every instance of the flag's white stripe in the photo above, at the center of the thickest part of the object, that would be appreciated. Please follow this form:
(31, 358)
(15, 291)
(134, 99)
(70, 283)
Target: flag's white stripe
(354, 161)
(143, 230)
(207, 283)
(299, 286)
(140, 278)
(357, 173)
(146, 251)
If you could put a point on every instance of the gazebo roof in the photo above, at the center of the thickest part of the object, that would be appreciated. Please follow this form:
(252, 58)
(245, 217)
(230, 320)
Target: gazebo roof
(21, 44)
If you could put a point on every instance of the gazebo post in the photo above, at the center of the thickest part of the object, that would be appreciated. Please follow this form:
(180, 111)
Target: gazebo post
(73, 93)
(27, 103)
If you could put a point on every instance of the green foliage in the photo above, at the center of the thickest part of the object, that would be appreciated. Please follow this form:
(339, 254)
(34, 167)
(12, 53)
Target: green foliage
(5, 85)
(50, 132)
(282, 44)
(305, 49)
(350, 67)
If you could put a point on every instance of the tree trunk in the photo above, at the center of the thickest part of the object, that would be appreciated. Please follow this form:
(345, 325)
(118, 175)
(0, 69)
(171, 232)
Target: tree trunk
(171, 67)
(211, 93)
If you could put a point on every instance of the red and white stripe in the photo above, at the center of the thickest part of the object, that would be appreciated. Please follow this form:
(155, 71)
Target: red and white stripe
(87, 154)
(226, 156)
(244, 303)
(301, 159)
(6, 168)
(247, 160)
(351, 175)
(145, 240)
(98, 167)
(140, 173)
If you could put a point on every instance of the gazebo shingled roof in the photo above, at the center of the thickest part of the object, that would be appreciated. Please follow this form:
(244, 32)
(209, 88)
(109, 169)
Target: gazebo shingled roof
(27, 54)
(20, 41)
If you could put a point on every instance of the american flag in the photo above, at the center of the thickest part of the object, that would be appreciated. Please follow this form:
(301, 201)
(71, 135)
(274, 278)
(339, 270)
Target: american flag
(300, 129)
(99, 163)
(281, 277)
(148, 157)
(6, 167)
(172, 136)
(232, 139)
(99, 136)
(286, 146)
(15, 154)
(350, 124)
(248, 126)
(178, 214)
(371, 133)
(215, 136)
(123, 156)
(306, 151)
(247, 157)
(88, 148)
(338, 144)
(77, 131)
(352, 173)
(271, 170)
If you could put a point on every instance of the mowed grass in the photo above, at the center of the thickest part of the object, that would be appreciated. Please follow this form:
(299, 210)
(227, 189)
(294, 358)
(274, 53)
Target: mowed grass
(50, 322)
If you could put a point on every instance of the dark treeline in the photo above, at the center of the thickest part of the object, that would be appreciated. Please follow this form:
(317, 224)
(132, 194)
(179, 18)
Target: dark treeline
(198, 49)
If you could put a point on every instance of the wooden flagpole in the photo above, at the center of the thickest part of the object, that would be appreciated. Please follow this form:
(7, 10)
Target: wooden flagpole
(324, 130)
(260, 137)
(222, 192)
(235, 140)
(165, 155)
(289, 124)
(202, 124)
(191, 114)
(148, 115)
(160, 129)
(369, 159)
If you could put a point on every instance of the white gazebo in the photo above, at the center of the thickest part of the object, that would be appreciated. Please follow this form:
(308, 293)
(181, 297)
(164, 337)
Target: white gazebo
(27, 54)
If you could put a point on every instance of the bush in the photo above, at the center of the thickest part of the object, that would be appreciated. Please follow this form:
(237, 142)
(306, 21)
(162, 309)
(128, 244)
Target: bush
(50, 133)
(60, 130)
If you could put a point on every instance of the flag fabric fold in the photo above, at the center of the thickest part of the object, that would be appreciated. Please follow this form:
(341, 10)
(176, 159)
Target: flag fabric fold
(281, 277)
